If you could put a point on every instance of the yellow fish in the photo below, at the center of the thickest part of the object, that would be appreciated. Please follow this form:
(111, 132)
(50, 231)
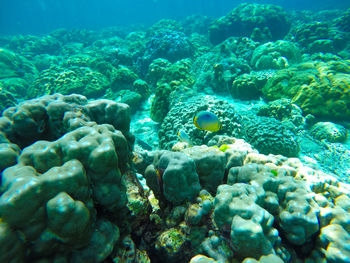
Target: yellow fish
(184, 137)
(206, 120)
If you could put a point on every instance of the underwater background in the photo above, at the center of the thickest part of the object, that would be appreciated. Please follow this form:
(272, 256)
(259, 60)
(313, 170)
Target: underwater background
(156, 131)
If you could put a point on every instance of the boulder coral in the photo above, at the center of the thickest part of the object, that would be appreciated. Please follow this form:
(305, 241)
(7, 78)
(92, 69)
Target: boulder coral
(173, 175)
(180, 116)
(329, 131)
(210, 165)
(160, 102)
(290, 197)
(250, 226)
(260, 22)
(168, 44)
(275, 55)
(275, 209)
(13, 65)
(343, 20)
(29, 45)
(16, 74)
(59, 186)
(269, 135)
(283, 110)
(51, 116)
(318, 88)
(245, 87)
(6, 98)
(319, 37)
(68, 80)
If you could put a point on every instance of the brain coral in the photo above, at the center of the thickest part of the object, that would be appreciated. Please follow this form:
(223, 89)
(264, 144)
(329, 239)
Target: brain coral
(318, 88)
(260, 22)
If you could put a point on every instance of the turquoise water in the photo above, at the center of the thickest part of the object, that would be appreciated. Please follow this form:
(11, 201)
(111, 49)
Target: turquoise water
(174, 131)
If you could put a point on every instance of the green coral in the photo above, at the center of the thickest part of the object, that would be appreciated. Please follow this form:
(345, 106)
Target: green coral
(319, 88)
(79, 60)
(141, 87)
(162, 24)
(179, 73)
(246, 87)
(260, 22)
(344, 21)
(329, 131)
(13, 65)
(81, 80)
(176, 74)
(157, 69)
(123, 78)
(29, 45)
(171, 243)
(6, 98)
(269, 135)
(319, 37)
(133, 99)
(283, 110)
(275, 55)
(160, 102)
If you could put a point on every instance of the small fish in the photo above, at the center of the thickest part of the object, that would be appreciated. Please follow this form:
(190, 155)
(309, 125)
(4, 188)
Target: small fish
(160, 172)
(205, 120)
(202, 259)
(143, 144)
(183, 137)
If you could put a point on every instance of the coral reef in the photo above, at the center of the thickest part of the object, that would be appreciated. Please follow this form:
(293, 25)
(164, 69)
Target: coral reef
(283, 110)
(245, 87)
(122, 78)
(260, 22)
(275, 55)
(160, 102)
(174, 176)
(122, 174)
(329, 131)
(70, 80)
(51, 116)
(181, 115)
(210, 166)
(168, 44)
(30, 46)
(13, 65)
(6, 98)
(343, 21)
(59, 184)
(318, 88)
(320, 37)
(269, 135)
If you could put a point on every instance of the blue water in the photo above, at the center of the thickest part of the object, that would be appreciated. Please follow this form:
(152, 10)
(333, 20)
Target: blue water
(43, 16)
(276, 81)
